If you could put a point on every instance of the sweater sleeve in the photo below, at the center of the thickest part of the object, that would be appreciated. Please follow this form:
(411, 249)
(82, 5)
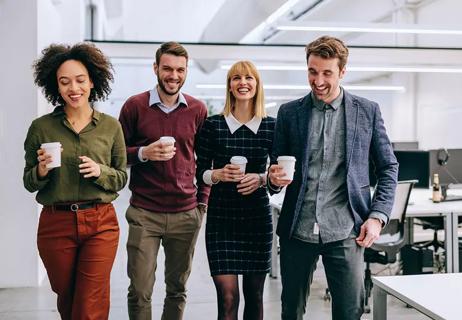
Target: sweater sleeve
(129, 121)
(204, 161)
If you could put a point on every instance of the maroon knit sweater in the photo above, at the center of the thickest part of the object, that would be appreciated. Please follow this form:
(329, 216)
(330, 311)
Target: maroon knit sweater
(163, 186)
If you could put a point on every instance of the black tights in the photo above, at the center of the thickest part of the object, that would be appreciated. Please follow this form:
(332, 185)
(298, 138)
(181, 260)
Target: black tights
(227, 287)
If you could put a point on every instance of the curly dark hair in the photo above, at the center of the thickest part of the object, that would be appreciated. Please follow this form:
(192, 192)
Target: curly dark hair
(98, 66)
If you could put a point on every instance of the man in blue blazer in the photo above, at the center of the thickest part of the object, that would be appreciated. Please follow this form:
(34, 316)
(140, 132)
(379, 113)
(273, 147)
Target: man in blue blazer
(328, 209)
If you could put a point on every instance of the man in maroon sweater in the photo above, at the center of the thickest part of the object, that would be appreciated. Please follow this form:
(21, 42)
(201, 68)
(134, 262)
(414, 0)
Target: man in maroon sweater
(166, 207)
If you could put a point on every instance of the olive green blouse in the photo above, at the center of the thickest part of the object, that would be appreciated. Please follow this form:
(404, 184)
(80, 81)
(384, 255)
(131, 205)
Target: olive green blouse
(101, 140)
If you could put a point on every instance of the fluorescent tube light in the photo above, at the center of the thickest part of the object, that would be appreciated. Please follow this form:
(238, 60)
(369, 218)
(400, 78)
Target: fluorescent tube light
(366, 27)
(408, 69)
(222, 97)
(306, 87)
(274, 67)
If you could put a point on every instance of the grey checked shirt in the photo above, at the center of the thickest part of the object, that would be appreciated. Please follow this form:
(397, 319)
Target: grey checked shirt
(326, 196)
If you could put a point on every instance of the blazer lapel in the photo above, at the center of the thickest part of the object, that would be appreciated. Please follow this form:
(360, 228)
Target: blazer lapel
(351, 119)
(303, 114)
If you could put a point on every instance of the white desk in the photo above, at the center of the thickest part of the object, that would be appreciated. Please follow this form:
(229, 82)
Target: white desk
(435, 295)
(420, 206)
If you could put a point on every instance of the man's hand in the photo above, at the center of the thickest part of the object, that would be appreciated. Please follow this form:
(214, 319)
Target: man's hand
(369, 232)
(202, 208)
(276, 176)
(159, 151)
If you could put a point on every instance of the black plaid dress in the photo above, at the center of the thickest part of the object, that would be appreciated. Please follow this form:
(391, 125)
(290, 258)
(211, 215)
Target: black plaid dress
(239, 228)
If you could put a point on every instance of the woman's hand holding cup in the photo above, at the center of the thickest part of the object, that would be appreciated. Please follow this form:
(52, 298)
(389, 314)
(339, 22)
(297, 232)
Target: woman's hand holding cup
(48, 157)
(249, 184)
(229, 173)
(43, 160)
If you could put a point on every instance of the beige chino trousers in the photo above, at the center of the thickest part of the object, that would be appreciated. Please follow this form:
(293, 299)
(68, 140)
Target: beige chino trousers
(177, 233)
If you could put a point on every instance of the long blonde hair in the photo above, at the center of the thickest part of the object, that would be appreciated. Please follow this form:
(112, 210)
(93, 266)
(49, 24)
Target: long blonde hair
(245, 67)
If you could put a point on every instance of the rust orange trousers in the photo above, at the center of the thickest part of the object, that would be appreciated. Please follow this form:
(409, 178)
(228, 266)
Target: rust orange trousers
(78, 249)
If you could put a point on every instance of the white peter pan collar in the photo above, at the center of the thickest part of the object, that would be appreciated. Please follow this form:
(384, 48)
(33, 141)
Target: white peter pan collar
(234, 124)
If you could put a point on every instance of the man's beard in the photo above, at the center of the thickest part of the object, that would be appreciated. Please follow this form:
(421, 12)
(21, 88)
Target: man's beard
(162, 87)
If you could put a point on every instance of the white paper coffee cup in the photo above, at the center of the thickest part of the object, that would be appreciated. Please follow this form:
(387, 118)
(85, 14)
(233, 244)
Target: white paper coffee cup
(240, 161)
(167, 139)
(53, 149)
(288, 165)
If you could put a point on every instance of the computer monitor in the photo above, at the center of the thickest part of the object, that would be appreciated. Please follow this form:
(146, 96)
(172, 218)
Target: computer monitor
(413, 165)
(448, 164)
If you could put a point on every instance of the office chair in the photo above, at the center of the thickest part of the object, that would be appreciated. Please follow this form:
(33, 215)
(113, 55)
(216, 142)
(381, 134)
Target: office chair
(434, 223)
(391, 240)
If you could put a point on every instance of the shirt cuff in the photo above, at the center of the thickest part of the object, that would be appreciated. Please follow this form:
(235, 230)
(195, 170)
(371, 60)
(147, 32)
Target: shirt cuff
(381, 216)
(140, 155)
(207, 177)
(271, 186)
(39, 182)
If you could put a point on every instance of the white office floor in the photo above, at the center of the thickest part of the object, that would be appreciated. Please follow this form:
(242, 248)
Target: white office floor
(40, 303)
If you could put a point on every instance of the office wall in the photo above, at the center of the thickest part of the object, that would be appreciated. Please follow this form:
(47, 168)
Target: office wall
(23, 34)
(18, 214)
(438, 96)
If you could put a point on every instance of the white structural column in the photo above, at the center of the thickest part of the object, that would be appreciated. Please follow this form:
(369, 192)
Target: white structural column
(26, 27)
(404, 127)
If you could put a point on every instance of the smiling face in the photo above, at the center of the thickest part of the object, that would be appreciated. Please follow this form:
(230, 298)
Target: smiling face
(74, 83)
(324, 77)
(171, 73)
(243, 86)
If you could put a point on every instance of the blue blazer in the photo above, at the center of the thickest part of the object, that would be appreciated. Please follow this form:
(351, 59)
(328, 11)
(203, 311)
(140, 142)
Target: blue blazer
(366, 139)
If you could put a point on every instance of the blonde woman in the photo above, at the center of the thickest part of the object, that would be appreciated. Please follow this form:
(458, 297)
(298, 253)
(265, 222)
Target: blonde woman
(239, 227)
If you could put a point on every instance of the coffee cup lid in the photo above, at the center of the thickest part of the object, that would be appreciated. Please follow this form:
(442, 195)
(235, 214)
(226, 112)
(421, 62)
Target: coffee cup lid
(50, 145)
(287, 158)
(239, 159)
(167, 138)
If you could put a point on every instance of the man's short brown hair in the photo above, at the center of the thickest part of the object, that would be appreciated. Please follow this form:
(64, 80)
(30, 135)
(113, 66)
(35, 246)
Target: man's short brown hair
(328, 48)
(173, 48)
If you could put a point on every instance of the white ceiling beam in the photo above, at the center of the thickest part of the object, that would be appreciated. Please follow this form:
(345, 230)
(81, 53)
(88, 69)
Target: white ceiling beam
(443, 58)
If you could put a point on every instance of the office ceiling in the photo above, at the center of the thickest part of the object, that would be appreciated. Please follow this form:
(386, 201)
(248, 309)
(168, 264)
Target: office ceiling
(256, 21)
(249, 29)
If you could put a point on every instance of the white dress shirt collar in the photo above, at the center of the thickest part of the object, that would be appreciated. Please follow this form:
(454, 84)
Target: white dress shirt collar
(234, 124)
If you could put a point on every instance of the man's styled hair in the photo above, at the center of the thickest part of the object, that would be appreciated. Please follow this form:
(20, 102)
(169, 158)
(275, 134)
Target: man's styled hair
(173, 48)
(328, 47)
(245, 67)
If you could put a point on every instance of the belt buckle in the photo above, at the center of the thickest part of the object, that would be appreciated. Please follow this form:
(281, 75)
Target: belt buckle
(74, 207)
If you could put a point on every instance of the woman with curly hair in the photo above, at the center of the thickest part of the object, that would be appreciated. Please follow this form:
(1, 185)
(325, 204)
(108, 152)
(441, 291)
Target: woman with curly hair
(78, 232)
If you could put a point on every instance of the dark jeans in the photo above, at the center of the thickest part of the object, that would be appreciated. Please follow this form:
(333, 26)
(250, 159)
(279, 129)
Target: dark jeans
(343, 263)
